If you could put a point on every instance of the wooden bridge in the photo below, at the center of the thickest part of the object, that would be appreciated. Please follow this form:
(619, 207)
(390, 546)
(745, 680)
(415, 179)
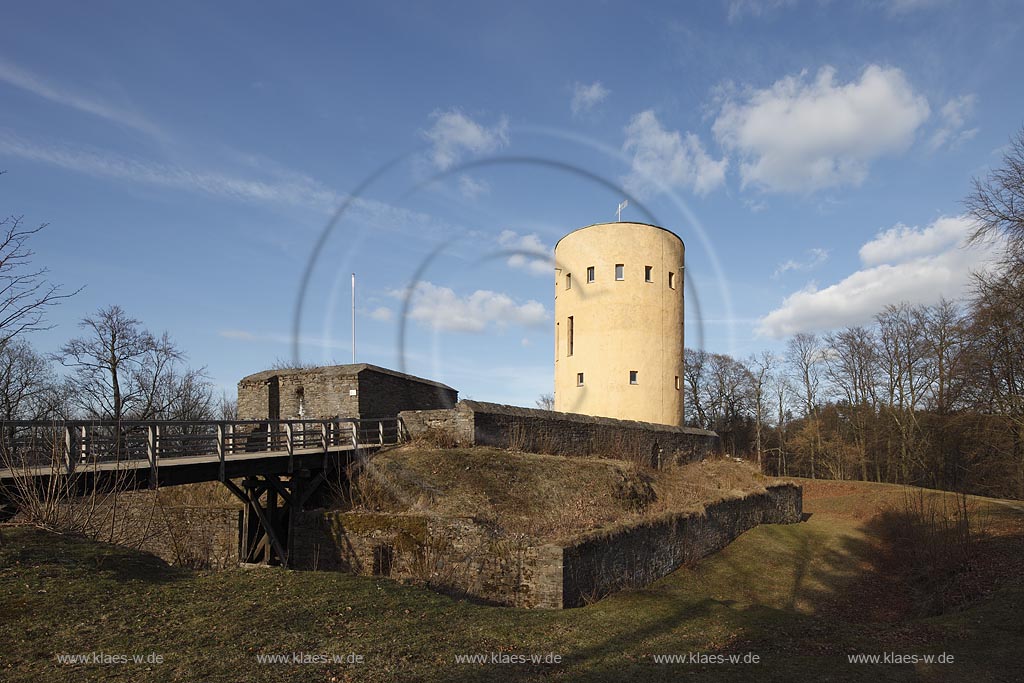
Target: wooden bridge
(271, 466)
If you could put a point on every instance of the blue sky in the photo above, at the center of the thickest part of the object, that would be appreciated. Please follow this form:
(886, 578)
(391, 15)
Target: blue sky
(187, 157)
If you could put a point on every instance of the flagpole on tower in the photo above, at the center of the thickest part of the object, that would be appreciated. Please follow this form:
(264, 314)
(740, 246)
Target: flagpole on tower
(618, 213)
(353, 318)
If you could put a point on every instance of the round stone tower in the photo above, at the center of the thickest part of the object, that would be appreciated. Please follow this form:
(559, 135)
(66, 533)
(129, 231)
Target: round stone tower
(619, 322)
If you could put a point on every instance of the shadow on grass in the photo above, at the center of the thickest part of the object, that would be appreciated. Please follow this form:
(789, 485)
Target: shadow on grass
(30, 547)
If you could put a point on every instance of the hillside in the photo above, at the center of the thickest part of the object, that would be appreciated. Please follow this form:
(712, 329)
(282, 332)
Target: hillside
(802, 597)
(544, 496)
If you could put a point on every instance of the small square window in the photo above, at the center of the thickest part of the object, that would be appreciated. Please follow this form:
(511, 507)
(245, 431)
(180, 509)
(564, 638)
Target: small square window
(620, 271)
(590, 273)
(633, 377)
(579, 379)
(648, 274)
(672, 280)
(568, 280)
(678, 384)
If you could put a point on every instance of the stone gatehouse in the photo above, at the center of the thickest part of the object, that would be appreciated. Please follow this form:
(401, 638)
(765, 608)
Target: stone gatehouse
(355, 391)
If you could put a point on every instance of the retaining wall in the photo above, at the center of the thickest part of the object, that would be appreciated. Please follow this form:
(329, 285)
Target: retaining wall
(472, 558)
(474, 423)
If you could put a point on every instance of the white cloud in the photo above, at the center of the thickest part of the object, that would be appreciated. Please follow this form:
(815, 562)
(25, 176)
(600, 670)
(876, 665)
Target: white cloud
(277, 186)
(953, 117)
(815, 257)
(801, 135)
(442, 309)
(915, 265)
(663, 157)
(290, 188)
(21, 78)
(586, 97)
(908, 6)
(381, 314)
(534, 256)
(902, 243)
(454, 134)
(471, 188)
(755, 8)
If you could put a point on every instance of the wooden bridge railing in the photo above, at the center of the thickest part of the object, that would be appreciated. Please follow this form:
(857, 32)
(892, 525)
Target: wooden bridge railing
(64, 446)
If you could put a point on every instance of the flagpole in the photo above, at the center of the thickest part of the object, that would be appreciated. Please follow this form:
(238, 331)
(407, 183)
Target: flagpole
(353, 318)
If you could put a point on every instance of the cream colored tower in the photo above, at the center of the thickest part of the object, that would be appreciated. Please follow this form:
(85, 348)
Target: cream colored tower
(619, 322)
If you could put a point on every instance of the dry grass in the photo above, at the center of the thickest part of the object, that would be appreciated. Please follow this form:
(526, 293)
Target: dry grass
(544, 497)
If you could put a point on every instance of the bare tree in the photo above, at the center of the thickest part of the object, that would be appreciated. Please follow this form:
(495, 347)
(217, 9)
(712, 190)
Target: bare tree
(694, 374)
(997, 204)
(546, 402)
(804, 355)
(121, 371)
(759, 369)
(27, 383)
(25, 293)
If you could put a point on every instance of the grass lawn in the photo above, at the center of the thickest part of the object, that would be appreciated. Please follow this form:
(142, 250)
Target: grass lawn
(801, 597)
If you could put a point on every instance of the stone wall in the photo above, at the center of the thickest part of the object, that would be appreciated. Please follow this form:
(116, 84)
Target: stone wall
(352, 391)
(456, 555)
(474, 423)
(636, 556)
(472, 558)
(189, 535)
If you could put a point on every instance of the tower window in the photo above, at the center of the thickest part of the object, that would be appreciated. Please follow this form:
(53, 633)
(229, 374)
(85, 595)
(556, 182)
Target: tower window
(648, 274)
(678, 384)
(672, 280)
(579, 379)
(633, 377)
(620, 271)
(568, 280)
(570, 332)
(590, 273)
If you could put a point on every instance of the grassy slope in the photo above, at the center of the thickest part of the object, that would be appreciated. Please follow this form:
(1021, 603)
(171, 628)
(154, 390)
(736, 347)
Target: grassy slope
(791, 593)
(545, 496)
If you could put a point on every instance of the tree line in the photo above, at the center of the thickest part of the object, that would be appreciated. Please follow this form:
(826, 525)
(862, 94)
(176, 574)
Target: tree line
(926, 395)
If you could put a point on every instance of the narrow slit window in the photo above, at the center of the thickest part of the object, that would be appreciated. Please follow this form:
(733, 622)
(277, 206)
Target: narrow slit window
(579, 379)
(678, 384)
(568, 280)
(633, 377)
(570, 331)
(672, 280)
(620, 271)
(590, 273)
(648, 273)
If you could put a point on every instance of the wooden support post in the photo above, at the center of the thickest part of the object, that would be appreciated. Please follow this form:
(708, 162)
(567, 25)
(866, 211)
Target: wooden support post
(324, 437)
(355, 436)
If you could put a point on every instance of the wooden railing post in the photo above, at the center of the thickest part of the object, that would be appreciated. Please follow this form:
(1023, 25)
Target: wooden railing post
(355, 436)
(151, 453)
(289, 439)
(220, 448)
(69, 449)
(324, 435)
(380, 432)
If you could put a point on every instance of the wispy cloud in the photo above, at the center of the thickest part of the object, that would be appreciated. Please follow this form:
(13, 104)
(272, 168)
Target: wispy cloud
(531, 253)
(586, 97)
(815, 257)
(442, 309)
(953, 118)
(663, 157)
(24, 79)
(454, 134)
